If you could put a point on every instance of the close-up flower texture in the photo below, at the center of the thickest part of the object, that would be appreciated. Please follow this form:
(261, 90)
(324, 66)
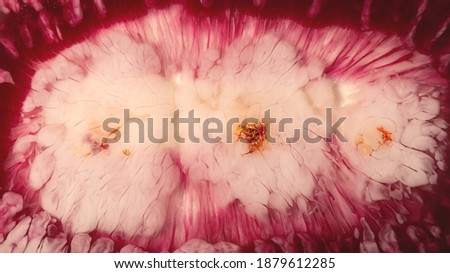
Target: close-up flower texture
(367, 171)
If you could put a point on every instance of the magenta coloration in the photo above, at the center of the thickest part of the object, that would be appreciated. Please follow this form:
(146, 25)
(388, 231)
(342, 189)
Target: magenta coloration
(65, 66)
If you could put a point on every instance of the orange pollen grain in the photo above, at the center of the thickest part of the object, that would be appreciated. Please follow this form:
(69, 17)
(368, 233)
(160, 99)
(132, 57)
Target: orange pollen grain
(385, 135)
(253, 134)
